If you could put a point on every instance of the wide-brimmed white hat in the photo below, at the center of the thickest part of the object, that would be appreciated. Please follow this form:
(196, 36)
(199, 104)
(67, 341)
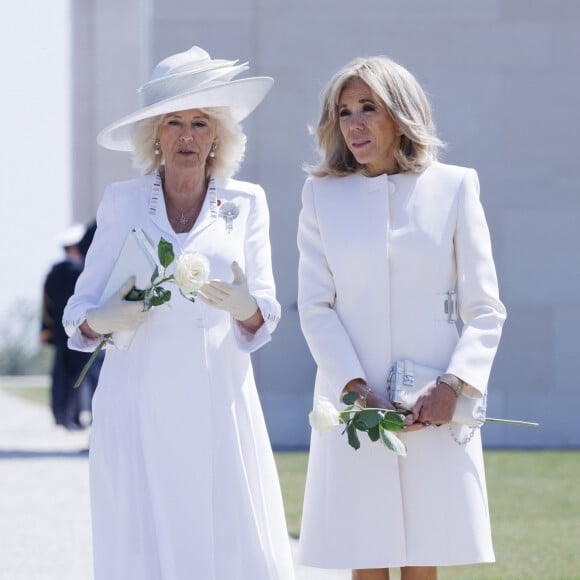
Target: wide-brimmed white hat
(189, 80)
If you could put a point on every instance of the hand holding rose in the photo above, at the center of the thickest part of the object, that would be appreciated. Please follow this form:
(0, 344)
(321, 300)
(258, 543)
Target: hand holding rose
(378, 423)
(129, 307)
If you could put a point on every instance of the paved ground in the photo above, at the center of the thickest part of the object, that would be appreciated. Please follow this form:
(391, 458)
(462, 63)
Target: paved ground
(44, 506)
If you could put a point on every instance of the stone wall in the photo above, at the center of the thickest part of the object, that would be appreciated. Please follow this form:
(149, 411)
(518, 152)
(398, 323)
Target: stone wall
(502, 76)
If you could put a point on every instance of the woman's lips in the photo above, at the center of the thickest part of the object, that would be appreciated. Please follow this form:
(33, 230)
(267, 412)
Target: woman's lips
(360, 144)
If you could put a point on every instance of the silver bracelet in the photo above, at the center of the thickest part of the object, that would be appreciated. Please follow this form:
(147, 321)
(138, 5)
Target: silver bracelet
(454, 382)
(364, 395)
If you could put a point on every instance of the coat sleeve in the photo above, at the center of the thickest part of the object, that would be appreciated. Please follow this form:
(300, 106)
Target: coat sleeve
(258, 271)
(99, 263)
(325, 334)
(480, 309)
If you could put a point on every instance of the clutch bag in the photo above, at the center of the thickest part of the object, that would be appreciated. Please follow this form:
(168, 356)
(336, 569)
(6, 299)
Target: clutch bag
(136, 258)
(407, 381)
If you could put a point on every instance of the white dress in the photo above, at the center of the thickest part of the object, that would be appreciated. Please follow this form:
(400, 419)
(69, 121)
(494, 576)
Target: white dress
(183, 479)
(377, 256)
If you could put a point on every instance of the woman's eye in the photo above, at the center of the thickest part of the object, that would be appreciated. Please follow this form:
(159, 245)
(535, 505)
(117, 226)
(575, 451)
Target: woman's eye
(344, 113)
(200, 124)
(173, 122)
(369, 107)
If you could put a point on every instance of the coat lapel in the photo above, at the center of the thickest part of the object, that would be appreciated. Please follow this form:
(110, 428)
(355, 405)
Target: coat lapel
(156, 209)
(209, 211)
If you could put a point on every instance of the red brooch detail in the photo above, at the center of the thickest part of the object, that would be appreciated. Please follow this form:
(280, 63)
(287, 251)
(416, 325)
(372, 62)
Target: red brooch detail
(219, 202)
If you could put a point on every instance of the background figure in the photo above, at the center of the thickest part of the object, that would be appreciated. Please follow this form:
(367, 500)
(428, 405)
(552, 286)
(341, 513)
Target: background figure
(71, 407)
(386, 233)
(182, 475)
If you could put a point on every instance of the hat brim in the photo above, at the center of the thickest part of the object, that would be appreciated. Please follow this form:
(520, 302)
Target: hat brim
(241, 96)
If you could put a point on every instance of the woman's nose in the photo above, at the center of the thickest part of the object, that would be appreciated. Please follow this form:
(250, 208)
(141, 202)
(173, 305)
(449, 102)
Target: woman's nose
(355, 121)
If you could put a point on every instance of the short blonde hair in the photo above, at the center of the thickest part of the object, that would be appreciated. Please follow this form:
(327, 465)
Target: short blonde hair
(228, 156)
(399, 94)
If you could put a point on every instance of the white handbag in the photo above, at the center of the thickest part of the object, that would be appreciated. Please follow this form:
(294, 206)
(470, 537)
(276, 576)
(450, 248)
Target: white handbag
(137, 258)
(407, 381)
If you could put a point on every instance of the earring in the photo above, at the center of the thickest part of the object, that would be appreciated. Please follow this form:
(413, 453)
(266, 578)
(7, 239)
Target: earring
(157, 147)
(213, 150)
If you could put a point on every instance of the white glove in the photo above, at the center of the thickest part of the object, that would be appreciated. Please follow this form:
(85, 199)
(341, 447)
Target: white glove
(117, 314)
(234, 298)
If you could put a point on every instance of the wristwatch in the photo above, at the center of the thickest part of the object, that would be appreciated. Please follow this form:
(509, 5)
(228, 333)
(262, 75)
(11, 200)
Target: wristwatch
(454, 382)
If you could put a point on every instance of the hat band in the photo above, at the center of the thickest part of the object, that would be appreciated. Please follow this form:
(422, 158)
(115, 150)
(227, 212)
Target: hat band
(173, 86)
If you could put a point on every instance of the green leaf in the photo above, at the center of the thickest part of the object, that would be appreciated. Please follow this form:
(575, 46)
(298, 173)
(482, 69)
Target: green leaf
(374, 433)
(147, 301)
(165, 252)
(360, 425)
(352, 435)
(392, 422)
(135, 295)
(350, 398)
(160, 296)
(155, 275)
(370, 418)
(392, 442)
(347, 414)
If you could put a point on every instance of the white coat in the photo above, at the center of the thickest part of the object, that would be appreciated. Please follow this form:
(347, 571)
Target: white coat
(377, 256)
(183, 480)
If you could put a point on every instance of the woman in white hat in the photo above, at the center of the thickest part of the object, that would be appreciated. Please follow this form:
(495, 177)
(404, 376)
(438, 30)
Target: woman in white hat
(183, 480)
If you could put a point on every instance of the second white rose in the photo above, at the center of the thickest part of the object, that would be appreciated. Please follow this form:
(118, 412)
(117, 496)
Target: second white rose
(191, 272)
(324, 416)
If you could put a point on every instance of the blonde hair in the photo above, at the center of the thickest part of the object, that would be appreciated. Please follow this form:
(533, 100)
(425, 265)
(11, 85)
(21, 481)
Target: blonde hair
(228, 156)
(399, 94)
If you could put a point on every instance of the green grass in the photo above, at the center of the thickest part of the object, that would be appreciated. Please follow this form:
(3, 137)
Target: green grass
(534, 501)
(292, 472)
(39, 395)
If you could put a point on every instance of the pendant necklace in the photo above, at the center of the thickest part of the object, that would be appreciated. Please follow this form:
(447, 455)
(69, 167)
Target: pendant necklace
(182, 217)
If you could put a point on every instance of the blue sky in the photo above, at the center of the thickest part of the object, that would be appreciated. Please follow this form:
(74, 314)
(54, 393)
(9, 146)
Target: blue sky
(34, 144)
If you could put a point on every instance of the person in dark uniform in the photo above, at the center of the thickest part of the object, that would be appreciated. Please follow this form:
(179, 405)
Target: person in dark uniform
(71, 407)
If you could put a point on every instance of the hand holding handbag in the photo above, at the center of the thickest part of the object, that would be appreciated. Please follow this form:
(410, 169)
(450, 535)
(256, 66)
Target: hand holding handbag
(407, 381)
(137, 258)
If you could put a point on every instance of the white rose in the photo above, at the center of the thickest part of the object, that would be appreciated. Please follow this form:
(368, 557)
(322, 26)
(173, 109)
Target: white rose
(191, 272)
(324, 416)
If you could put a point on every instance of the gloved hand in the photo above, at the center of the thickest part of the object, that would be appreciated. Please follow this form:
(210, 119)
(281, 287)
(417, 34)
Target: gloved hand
(117, 314)
(234, 298)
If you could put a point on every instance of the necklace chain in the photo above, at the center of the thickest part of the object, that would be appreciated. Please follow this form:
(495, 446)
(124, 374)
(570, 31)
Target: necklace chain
(182, 216)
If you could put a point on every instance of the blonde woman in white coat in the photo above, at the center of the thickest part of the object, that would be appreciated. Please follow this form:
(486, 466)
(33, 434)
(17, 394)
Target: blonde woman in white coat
(183, 480)
(385, 233)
